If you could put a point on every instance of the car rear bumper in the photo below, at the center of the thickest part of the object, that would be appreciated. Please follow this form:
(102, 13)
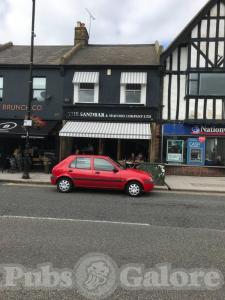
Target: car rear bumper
(53, 180)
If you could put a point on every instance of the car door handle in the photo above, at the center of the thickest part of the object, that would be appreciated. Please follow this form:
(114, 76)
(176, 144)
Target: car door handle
(70, 171)
(97, 172)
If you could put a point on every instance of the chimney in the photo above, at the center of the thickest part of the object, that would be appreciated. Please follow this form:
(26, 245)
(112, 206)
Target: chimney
(81, 34)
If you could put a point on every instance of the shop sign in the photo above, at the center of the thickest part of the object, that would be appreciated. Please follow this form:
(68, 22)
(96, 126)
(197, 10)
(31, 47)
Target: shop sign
(185, 129)
(7, 126)
(20, 107)
(105, 116)
(208, 130)
(195, 152)
(175, 150)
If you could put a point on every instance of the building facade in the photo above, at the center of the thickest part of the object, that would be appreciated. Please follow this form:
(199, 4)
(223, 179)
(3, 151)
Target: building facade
(111, 99)
(193, 106)
(46, 105)
(103, 99)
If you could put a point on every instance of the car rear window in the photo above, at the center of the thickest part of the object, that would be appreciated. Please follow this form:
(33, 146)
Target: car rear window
(81, 163)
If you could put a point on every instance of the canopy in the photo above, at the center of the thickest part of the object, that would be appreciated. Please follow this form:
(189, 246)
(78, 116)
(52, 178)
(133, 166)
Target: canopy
(107, 130)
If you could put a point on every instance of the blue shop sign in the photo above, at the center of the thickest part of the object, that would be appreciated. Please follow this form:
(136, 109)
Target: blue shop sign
(193, 130)
(195, 152)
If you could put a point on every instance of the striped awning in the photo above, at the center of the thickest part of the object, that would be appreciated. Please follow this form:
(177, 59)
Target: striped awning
(133, 78)
(85, 77)
(106, 130)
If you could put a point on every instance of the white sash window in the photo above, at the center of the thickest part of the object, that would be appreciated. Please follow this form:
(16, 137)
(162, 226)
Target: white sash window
(133, 88)
(86, 87)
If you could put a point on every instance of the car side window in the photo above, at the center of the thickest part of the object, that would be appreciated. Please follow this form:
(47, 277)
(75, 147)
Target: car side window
(101, 164)
(81, 163)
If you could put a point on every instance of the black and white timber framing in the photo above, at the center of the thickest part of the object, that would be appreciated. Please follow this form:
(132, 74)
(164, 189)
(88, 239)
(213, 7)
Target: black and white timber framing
(200, 48)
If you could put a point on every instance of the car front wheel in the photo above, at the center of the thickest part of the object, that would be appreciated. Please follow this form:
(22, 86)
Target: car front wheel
(64, 185)
(134, 189)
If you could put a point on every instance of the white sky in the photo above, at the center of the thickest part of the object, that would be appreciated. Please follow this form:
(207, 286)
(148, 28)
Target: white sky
(117, 21)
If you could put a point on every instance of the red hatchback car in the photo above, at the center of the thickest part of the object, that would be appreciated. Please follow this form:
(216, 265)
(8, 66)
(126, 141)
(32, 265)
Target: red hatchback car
(100, 172)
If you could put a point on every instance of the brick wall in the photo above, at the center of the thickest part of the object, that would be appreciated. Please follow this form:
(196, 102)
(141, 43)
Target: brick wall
(155, 142)
(195, 171)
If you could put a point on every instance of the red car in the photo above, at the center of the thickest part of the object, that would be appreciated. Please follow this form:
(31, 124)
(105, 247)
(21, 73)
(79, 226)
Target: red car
(101, 172)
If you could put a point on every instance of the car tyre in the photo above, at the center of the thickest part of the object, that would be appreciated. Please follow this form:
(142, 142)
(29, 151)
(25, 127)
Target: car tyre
(64, 185)
(134, 189)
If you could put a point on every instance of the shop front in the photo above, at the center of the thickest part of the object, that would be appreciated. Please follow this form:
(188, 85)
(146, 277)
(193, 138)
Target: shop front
(194, 149)
(121, 132)
(43, 144)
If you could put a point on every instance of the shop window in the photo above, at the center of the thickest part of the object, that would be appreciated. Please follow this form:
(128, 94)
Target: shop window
(215, 155)
(39, 88)
(207, 84)
(81, 163)
(101, 164)
(1, 88)
(86, 92)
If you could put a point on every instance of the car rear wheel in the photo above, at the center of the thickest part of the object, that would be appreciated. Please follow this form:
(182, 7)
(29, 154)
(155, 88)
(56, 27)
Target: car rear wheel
(134, 189)
(64, 185)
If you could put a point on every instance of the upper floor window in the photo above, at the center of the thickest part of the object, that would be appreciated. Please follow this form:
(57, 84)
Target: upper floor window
(1, 88)
(133, 88)
(39, 88)
(86, 87)
(86, 92)
(207, 84)
(133, 93)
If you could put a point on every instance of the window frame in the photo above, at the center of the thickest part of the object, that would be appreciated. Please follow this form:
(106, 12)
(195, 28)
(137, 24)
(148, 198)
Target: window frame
(127, 89)
(103, 170)
(198, 81)
(75, 161)
(86, 89)
(77, 91)
(39, 89)
(143, 97)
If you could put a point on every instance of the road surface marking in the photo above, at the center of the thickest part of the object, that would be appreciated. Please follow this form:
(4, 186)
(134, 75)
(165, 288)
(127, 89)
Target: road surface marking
(108, 222)
(74, 220)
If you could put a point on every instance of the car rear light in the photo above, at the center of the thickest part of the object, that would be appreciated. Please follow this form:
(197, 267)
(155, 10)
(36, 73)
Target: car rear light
(150, 180)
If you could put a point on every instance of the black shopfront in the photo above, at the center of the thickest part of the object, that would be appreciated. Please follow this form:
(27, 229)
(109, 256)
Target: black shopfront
(43, 143)
(118, 131)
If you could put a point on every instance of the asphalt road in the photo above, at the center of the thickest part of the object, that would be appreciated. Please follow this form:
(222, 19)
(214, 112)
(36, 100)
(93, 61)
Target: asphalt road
(39, 225)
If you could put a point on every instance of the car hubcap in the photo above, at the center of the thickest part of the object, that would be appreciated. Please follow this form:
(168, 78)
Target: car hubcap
(64, 185)
(134, 189)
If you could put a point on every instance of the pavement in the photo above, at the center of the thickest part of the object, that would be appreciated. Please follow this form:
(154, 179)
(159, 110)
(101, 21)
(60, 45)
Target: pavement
(173, 183)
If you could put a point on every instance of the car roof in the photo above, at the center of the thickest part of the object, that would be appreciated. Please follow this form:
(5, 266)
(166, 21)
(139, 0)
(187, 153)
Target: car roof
(90, 155)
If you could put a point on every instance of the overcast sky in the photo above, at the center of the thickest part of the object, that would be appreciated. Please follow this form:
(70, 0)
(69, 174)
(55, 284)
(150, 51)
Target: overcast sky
(117, 21)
